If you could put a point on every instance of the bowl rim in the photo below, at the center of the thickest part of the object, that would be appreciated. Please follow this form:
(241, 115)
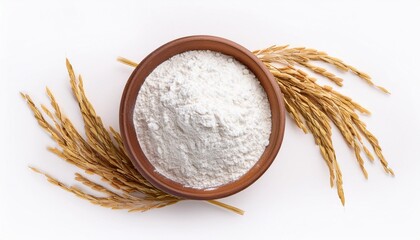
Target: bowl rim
(148, 64)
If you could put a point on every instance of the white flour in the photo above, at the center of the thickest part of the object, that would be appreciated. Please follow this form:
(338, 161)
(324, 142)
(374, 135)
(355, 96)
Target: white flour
(202, 119)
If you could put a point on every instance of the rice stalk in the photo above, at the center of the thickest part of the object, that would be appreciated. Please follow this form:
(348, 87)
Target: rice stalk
(102, 153)
(314, 107)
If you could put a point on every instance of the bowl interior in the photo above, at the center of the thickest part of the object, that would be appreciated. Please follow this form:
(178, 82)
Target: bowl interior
(162, 54)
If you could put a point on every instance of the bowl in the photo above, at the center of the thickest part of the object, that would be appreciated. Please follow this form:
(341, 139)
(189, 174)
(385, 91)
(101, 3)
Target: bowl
(162, 54)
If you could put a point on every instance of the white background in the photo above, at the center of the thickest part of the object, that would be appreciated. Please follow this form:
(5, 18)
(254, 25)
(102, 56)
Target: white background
(293, 199)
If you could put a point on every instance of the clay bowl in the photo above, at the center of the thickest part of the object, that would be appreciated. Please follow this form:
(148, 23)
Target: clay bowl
(160, 55)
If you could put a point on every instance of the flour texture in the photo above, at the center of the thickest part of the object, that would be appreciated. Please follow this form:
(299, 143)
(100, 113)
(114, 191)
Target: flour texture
(202, 119)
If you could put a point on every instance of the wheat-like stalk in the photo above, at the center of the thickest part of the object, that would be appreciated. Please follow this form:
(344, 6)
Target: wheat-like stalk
(102, 153)
(314, 107)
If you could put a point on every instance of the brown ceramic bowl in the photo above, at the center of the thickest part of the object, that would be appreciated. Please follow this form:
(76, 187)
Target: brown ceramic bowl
(160, 55)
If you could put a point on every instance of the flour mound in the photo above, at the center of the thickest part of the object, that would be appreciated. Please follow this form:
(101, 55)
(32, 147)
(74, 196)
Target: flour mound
(202, 119)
